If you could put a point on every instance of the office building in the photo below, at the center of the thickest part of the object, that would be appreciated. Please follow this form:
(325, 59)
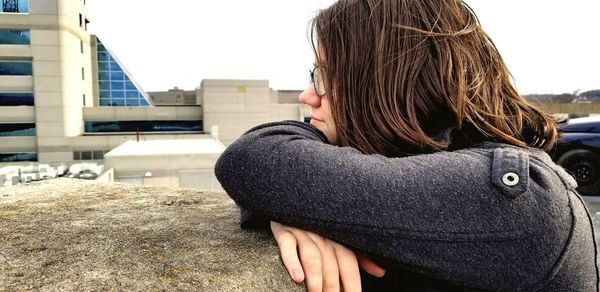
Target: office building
(65, 97)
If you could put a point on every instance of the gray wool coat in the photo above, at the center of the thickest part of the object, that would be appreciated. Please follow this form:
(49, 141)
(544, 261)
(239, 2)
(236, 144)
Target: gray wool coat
(487, 217)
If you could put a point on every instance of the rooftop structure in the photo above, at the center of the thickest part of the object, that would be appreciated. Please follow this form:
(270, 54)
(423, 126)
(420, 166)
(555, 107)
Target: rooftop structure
(173, 163)
(168, 147)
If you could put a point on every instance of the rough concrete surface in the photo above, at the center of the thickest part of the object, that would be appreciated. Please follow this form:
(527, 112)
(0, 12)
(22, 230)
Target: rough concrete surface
(76, 235)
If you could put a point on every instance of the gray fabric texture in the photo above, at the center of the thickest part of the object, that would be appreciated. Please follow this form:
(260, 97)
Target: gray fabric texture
(446, 221)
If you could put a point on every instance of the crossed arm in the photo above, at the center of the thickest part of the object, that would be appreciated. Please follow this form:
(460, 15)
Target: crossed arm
(427, 213)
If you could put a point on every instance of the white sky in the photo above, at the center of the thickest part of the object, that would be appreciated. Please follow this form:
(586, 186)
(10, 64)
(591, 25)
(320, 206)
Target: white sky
(550, 46)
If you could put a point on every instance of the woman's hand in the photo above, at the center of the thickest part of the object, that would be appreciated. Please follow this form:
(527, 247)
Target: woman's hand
(320, 261)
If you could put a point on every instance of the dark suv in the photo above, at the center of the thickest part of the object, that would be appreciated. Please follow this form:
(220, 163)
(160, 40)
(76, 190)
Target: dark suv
(578, 151)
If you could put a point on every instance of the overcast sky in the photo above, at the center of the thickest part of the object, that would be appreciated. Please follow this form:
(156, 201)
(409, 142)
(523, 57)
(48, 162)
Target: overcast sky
(550, 46)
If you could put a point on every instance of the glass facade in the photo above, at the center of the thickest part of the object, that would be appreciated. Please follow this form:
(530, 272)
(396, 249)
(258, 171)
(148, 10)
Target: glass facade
(16, 99)
(16, 68)
(15, 37)
(142, 126)
(14, 6)
(18, 157)
(116, 87)
(17, 130)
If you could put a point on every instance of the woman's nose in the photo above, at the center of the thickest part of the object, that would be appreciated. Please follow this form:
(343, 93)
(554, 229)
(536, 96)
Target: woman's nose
(310, 97)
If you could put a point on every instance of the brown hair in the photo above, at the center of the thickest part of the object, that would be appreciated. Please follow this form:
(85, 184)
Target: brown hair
(398, 72)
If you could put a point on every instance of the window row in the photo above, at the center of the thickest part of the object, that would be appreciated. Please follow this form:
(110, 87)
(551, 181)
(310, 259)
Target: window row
(88, 155)
(108, 66)
(15, 37)
(142, 126)
(16, 68)
(17, 130)
(14, 6)
(83, 22)
(16, 99)
(123, 102)
(119, 93)
(19, 157)
(117, 85)
(112, 76)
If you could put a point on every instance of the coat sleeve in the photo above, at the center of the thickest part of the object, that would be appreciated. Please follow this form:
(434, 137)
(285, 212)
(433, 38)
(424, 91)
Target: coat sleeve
(424, 212)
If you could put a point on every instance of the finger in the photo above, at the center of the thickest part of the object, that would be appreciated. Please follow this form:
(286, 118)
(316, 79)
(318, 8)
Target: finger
(349, 272)
(288, 250)
(310, 257)
(331, 273)
(370, 267)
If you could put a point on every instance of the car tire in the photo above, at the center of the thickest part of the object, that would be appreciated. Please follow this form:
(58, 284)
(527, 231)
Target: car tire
(584, 166)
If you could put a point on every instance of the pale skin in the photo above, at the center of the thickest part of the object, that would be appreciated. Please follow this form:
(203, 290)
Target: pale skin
(325, 265)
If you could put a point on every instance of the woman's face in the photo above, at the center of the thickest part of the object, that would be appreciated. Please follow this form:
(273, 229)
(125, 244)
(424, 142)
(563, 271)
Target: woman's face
(321, 111)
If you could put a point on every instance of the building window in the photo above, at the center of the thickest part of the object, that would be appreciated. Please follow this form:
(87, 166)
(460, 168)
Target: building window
(16, 99)
(19, 157)
(97, 155)
(84, 100)
(17, 130)
(116, 87)
(15, 37)
(82, 73)
(14, 6)
(80, 20)
(16, 68)
(81, 46)
(143, 126)
(88, 155)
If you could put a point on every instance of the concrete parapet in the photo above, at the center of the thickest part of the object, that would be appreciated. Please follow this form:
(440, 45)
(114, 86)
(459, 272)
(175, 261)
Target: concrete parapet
(75, 235)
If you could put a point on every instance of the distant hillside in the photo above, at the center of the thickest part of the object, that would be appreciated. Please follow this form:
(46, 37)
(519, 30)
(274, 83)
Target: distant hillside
(581, 97)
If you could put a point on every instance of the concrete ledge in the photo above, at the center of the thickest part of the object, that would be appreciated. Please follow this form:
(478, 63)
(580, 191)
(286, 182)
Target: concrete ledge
(77, 235)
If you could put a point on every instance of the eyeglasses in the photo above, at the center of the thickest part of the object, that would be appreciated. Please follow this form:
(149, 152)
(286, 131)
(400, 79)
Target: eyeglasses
(316, 79)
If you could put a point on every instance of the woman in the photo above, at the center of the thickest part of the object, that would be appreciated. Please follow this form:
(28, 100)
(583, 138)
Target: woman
(420, 158)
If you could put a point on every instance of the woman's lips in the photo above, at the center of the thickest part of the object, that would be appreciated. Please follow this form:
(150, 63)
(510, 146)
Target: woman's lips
(315, 121)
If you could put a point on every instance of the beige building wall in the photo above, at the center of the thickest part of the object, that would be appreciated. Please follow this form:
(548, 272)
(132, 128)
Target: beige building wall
(235, 106)
(174, 96)
(61, 54)
(63, 118)
(288, 96)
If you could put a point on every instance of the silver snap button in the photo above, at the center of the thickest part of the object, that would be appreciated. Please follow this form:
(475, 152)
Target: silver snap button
(510, 179)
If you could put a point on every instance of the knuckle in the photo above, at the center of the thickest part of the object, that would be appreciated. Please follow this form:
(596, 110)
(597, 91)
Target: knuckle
(288, 237)
(331, 286)
(311, 254)
(352, 278)
(312, 266)
(314, 287)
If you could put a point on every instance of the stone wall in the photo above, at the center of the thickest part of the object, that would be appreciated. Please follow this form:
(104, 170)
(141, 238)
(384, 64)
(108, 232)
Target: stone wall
(67, 234)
